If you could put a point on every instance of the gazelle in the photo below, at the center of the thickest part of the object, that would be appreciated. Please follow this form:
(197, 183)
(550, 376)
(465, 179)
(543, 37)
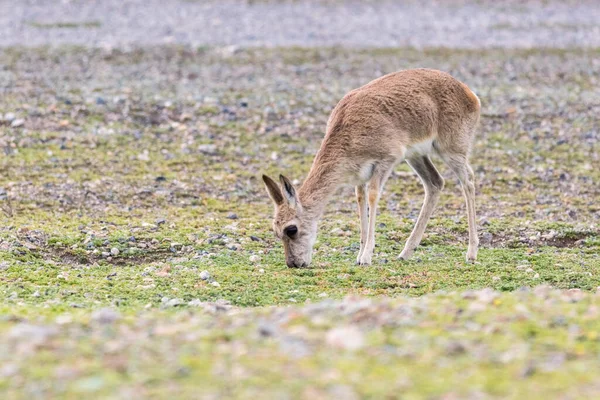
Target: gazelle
(403, 116)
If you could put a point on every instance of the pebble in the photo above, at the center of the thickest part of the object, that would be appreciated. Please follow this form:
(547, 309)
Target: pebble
(210, 149)
(215, 284)
(114, 251)
(232, 216)
(173, 302)
(346, 338)
(486, 238)
(204, 275)
(195, 303)
(17, 123)
(254, 258)
(105, 315)
(9, 117)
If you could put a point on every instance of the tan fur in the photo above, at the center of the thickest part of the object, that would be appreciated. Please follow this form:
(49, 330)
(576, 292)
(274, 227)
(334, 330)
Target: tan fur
(401, 116)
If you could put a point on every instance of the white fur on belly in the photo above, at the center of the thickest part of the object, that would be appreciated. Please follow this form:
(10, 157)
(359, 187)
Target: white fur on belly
(419, 149)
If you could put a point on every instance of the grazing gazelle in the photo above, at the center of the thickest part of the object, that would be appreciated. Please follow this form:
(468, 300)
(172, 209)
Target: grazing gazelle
(405, 115)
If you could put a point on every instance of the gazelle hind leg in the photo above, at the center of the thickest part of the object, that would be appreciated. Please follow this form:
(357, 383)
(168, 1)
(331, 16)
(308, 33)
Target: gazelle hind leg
(460, 165)
(433, 183)
(363, 215)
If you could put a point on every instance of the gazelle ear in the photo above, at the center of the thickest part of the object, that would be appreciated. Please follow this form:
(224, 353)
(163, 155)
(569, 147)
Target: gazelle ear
(273, 190)
(289, 191)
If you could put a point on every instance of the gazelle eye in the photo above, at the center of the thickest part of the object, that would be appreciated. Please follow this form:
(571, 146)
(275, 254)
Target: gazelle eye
(291, 231)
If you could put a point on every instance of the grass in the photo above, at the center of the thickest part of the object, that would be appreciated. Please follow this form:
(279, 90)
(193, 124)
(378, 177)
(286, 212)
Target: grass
(111, 199)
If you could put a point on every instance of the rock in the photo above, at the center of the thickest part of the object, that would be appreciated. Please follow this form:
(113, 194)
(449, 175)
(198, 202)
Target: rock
(267, 329)
(486, 238)
(255, 239)
(114, 251)
(160, 221)
(232, 216)
(345, 338)
(100, 101)
(254, 258)
(105, 315)
(210, 149)
(17, 123)
(215, 284)
(174, 302)
(9, 117)
(195, 303)
(204, 275)
(105, 254)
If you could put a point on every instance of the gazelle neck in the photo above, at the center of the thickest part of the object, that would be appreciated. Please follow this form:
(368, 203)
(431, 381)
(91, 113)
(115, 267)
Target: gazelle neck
(323, 180)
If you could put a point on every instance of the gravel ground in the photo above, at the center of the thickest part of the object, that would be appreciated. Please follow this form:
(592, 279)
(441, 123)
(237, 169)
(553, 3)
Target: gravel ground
(134, 229)
(454, 24)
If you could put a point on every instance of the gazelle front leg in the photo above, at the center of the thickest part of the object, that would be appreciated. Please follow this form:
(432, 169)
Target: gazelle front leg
(361, 199)
(375, 186)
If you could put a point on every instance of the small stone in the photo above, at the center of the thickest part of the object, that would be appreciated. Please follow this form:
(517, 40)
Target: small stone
(17, 123)
(160, 221)
(9, 117)
(262, 271)
(254, 258)
(100, 101)
(36, 294)
(215, 284)
(204, 275)
(346, 338)
(195, 303)
(105, 315)
(114, 251)
(105, 254)
(210, 149)
(255, 239)
(232, 216)
(486, 238)
(173, 302)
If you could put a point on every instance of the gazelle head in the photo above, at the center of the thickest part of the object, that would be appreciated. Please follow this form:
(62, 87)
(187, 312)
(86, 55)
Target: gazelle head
(296, 227)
